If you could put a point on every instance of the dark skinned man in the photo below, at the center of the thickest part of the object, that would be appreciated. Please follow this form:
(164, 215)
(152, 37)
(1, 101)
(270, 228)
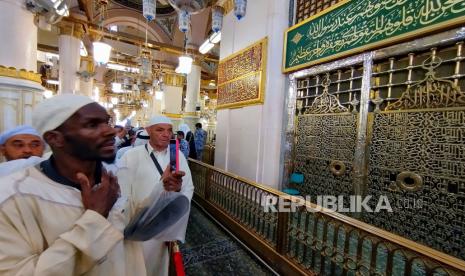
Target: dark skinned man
(64, 216)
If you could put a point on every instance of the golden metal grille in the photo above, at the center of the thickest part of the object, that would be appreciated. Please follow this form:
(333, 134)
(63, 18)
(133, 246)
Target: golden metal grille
(395, 75)
(312, 241)
(307, 8)
(417, 152)
(345, 84)
(415, 142)
(320, 140)
(239, 200)
(327, 133)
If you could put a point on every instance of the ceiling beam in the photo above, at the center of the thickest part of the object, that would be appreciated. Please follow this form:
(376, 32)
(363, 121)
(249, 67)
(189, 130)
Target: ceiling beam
(138, 41)
(86, 6)
(122, 61)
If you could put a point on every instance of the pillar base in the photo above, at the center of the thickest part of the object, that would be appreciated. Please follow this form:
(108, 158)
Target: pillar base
(17, 99)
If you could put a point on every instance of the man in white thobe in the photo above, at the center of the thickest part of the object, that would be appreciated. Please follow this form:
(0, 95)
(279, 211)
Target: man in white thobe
(139, 176)
(64, 216)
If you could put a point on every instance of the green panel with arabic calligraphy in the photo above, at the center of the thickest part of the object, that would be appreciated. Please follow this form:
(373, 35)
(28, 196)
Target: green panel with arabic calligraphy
(357, 25)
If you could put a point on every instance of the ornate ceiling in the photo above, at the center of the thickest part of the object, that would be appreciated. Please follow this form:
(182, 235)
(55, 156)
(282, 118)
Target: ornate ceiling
(163, 8)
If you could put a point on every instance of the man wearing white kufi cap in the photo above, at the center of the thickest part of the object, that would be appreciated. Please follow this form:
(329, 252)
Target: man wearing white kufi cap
(63, 216)
(22, 147)
(142, 168)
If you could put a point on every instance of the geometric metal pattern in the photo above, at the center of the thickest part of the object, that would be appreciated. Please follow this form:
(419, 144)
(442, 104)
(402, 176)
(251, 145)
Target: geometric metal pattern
(430, 144)
(415, 144)
(326, 103)
(430, 92)
(323, 243)
(307, 8)
(322, 141)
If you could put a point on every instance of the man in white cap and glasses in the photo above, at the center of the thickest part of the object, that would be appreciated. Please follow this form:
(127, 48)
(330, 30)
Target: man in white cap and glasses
(148, 167)
(64, 216)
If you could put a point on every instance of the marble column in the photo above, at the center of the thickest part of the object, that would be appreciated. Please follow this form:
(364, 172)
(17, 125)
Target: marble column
(20, 85)
(69, 43)
(190, 115)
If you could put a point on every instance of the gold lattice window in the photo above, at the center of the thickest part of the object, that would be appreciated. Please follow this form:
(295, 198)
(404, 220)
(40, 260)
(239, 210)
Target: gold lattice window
(345, 84)
(307, 8)
(392, 76)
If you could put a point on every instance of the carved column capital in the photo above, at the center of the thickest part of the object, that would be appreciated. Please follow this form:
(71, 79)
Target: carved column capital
(73, 29)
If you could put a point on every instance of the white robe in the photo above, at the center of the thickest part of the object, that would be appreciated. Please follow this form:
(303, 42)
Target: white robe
(45, 230)
(138, 175)
(13, 166)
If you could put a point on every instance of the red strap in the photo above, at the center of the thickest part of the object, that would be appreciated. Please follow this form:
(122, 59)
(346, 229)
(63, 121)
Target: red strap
(177, 257)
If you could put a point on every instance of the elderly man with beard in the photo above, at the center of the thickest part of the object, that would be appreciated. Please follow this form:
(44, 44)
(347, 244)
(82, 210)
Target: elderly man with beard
(64, 216)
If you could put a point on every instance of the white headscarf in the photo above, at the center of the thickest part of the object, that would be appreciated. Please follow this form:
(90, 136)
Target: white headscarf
(184, 128)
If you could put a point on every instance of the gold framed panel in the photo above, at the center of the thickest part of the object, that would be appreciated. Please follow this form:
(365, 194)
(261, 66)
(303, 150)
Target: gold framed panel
(378, 44)
(248, 75)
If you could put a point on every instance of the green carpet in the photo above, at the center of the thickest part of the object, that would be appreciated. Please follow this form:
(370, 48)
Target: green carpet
(211, 251)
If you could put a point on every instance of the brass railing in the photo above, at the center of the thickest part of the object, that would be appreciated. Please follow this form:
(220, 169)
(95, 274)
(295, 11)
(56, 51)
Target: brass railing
(209, 154)
(311, 240)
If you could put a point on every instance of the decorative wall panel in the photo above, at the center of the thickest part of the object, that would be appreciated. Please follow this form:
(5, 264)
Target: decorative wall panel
(417, 153)
(241, 77)
(307, 8)
(324, 153)
(415, 140)
(352, 26)
(417, 160)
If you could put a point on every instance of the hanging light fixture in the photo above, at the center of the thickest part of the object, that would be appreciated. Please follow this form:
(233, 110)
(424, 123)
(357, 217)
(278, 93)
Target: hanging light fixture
(101, 52)
(149, 8)
(185, 65)
(206, 47)
(240, 7)
(217, 18)
(184, 19)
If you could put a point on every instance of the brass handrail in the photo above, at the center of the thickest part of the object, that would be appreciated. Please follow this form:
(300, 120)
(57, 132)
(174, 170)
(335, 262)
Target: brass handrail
(221, 190)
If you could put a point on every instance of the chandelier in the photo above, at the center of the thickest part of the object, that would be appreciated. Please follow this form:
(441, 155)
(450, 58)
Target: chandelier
(102, 50)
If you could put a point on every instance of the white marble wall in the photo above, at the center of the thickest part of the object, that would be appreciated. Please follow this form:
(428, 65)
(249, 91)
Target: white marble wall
(18, 49)
(248, 141)
(17, 98)
(172, 99)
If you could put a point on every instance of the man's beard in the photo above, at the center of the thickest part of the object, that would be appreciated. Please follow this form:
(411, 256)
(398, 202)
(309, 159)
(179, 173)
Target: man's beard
(84, 152)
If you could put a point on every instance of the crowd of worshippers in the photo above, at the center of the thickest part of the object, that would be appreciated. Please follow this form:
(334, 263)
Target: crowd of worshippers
(191, 144)
(75, 192)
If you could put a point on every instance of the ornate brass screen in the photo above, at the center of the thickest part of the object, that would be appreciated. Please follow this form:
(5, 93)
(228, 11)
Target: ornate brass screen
(417, 153)
(307, 8)
(310, 241)
(414, 142)
(326, 132)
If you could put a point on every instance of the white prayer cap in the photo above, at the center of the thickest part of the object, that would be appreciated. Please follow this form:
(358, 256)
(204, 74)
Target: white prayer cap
(24, 129)
(51, 113)
(159, 119)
